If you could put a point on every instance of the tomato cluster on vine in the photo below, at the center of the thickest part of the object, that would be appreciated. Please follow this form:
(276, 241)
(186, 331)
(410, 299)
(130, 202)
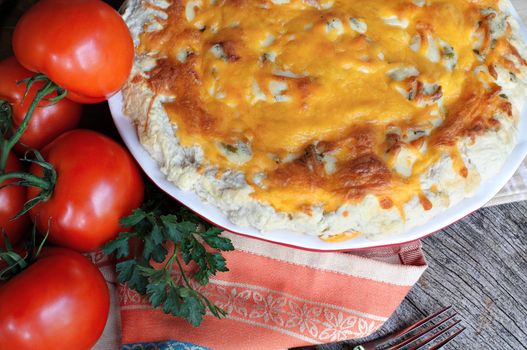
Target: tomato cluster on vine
(72, 185)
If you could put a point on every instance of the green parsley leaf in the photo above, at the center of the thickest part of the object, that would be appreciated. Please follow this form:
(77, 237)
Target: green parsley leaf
(153, 248)
(178, 231)
(186, 249)
(193, 310)
(157, 293)
(202, 275)
(186, 215)
(185, 292)
(217, 261)
(119, 246)
(128, 272)
(133, 219)
(213, 239)
(173, 302)
(197, 251)
(161, 223)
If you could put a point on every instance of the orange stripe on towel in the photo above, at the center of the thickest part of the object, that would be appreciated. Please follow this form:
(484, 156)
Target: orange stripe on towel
(277, 303)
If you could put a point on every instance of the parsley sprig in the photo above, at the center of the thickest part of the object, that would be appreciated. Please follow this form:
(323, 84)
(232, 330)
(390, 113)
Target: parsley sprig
(159, 224)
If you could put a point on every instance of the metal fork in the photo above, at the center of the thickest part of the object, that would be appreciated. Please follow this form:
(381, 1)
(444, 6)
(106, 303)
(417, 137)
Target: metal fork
(432, 332)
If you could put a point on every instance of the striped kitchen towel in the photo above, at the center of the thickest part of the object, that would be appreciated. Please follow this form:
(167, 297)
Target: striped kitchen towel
(279, 297)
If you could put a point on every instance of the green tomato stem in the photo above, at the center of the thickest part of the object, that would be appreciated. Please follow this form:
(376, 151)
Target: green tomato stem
(32, 180)
(47, 89)
(16, 262)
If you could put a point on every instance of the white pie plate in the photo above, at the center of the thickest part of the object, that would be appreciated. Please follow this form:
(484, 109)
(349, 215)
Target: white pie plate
(486, 192)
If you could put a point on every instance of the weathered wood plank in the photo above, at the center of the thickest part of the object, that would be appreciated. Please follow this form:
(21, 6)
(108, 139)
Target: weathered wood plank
(478, 265)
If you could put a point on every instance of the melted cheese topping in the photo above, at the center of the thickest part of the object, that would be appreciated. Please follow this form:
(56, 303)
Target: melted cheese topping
(321, 102)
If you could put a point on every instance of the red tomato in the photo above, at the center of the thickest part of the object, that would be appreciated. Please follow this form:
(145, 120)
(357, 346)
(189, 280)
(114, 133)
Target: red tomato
(98, 183)
(59, 302)
(47, 122)
(12, 200)
(82, 45)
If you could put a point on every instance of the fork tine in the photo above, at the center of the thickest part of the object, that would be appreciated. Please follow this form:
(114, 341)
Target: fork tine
(396, 335)
(447, 340)
(429, 339)
(423, 321)
(423, 332)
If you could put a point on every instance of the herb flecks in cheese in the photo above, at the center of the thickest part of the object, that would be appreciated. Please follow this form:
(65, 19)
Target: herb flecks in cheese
(353, 100)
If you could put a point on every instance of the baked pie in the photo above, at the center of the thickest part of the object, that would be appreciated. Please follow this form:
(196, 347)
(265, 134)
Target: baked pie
(327, 117)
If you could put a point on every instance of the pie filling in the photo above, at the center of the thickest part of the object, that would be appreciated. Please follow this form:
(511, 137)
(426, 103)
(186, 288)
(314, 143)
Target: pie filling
(320, 103)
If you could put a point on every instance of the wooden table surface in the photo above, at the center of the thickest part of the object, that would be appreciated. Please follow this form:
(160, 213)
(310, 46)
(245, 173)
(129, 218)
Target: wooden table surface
(478, 265)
